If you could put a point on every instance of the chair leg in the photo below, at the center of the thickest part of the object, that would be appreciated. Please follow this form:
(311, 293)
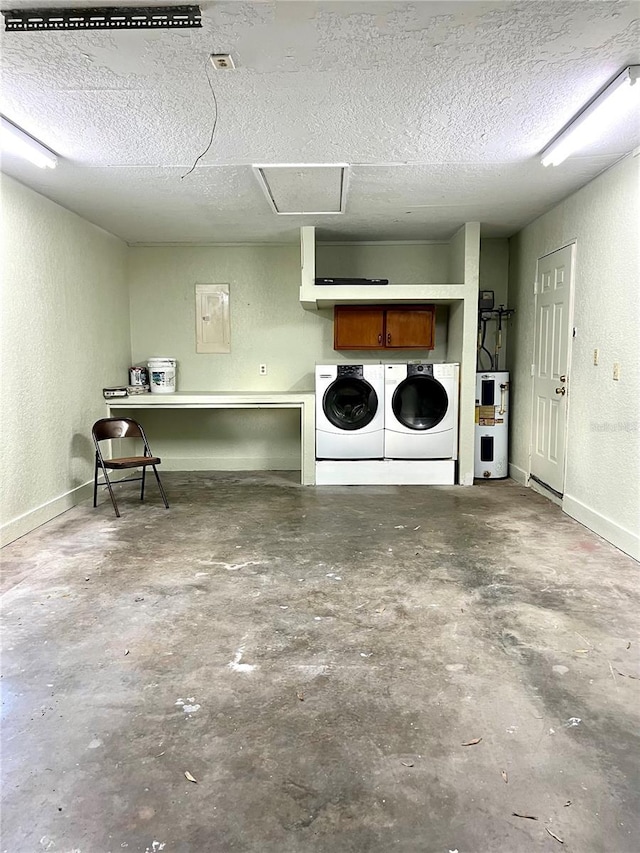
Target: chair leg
(95, 483)
(113, 497)
(162, 492)
(144, 471)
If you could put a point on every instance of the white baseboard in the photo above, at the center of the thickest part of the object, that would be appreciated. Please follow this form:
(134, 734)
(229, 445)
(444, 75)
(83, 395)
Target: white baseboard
(623, 539)
(230, 463)
(385, 472)
(27, 522)
(518, 474)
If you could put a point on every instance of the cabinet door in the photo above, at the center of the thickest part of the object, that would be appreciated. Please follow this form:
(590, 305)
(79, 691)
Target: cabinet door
(410, 327)
(358, 327)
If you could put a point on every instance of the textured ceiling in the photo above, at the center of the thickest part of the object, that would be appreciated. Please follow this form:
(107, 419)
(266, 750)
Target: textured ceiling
(441, 108)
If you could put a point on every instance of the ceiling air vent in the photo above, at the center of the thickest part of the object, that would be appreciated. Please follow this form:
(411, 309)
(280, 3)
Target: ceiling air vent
(293, 189)
(104, 18)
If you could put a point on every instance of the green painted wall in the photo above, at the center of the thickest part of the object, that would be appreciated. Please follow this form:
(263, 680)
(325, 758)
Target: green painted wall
(494, 275)
(603, 425)
(64, 332)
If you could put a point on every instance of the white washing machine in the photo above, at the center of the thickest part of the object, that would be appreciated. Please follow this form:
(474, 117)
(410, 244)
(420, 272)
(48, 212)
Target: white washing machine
(349, 411)
(421, 411)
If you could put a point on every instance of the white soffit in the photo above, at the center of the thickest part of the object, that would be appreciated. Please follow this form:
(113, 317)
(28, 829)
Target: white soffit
(304, 188)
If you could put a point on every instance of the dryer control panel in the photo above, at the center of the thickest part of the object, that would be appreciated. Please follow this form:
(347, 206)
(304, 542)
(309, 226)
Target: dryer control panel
(361, 371)
(351, 370)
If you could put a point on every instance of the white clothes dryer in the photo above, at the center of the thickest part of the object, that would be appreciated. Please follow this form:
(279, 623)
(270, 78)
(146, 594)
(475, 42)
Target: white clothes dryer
(349, 411)
(421, 411)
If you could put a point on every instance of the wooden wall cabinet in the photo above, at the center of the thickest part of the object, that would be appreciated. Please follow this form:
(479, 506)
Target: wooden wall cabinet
(384, 327)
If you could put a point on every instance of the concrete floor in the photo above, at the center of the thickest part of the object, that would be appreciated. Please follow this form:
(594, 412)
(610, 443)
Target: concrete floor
(316, 658)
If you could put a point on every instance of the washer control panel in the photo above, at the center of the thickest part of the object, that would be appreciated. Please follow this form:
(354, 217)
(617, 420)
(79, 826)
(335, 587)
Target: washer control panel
(419, 370)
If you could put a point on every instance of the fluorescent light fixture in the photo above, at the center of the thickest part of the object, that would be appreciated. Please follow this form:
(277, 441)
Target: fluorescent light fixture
(109, 17)
(16, 141)
(612, 102)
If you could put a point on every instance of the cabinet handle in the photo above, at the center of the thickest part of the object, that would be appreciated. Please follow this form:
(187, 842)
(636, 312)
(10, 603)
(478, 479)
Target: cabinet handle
(379, 339)
(389, 339)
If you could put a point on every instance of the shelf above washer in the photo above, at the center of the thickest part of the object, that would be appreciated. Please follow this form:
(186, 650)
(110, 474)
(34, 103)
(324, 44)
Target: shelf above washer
(326, 296)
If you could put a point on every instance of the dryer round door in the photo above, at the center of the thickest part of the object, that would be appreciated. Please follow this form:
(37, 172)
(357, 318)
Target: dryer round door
(420, 402)
(350, 403)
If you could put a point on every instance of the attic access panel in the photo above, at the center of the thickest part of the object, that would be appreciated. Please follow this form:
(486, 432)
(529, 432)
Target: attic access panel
(293, 189)
(104, 18)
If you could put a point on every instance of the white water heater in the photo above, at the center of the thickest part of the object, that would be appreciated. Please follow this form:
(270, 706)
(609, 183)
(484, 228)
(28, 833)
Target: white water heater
(492, 425)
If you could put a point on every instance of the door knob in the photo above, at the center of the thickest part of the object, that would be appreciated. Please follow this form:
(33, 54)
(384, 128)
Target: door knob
(562, 391)
(389, 339)
(563, 378)
(379, 339)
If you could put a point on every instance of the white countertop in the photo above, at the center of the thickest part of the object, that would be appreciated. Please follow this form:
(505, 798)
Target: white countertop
(302, 400)
(214, 398)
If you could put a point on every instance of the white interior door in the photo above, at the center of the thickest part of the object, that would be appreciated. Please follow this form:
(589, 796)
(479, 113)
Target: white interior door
(551, 358)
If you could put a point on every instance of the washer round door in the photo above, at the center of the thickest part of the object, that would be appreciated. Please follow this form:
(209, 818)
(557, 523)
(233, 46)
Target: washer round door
(350, 403)
(420, 402)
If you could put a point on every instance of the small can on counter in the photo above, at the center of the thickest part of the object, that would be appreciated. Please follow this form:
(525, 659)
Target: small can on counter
(138, 376)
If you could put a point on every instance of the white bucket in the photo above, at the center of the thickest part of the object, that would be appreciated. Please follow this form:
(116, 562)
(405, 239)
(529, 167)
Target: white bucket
(162, 375)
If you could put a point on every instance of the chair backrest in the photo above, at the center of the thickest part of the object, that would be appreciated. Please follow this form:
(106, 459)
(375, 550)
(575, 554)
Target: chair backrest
(107, 428)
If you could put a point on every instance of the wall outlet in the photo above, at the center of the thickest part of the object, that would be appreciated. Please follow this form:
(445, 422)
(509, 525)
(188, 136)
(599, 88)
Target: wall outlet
(596, 355)
(616, 371)
(262, 369)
